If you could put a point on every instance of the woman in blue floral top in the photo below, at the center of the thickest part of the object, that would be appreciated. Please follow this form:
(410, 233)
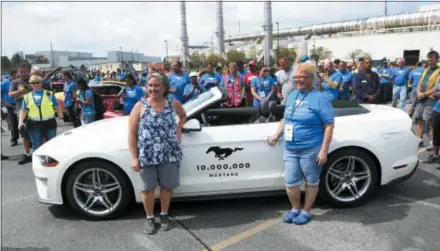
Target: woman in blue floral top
(154, 142)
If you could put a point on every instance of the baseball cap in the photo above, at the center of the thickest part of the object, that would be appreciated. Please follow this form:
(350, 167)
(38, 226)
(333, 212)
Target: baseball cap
(193, 74)
(252, 63)
(303, 59)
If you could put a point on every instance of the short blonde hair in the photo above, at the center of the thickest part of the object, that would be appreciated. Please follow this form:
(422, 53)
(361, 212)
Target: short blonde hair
(308, 68)
(35, 78)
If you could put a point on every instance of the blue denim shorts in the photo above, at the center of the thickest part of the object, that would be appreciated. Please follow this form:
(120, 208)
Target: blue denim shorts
(300, 165)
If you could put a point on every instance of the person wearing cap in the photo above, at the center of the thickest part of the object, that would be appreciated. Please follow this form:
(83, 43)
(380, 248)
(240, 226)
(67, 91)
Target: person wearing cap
(252, 74)
(386, 85)
(38, 109)
(262, 87)
(86, 102)
(194, 89)
(414, 78)
(304, 59)
(210, 78)
(130, 94)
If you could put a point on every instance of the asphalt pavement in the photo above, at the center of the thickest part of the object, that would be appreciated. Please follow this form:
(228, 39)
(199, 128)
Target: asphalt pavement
(404, 216)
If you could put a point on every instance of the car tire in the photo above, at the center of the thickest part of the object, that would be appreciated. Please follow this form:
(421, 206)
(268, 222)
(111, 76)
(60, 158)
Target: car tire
(364, 166)
(125, 191)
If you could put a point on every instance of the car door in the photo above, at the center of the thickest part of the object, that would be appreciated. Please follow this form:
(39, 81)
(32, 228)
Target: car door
(230, 159)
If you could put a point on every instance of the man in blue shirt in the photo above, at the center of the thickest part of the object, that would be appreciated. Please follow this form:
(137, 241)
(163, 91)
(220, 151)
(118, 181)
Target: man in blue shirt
(436, 129)
(210, 78)
(178, 80)
(9, 103)
(400, 80)
(331, 80)
(194, 89)
(366, 86)
(386, 85)
(414, 78)
(347, 78)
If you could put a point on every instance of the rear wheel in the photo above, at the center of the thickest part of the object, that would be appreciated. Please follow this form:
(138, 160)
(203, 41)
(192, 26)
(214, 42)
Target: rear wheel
(98, 190)
(349, 178)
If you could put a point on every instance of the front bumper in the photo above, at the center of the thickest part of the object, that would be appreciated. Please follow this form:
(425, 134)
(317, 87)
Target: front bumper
(47, 183)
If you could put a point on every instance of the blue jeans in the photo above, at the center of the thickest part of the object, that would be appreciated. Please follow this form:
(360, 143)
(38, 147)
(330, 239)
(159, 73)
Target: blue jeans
(36, 136)
(399, 93)
(300, 164)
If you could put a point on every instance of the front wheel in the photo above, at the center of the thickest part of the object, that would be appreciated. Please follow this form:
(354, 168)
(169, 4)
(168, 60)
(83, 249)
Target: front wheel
(349, 178)
(98, 190)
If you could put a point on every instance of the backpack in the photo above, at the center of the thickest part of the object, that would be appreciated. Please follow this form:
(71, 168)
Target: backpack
(98, 103)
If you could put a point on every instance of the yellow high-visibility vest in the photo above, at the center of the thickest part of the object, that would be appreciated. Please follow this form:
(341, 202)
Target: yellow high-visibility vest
(431, 81)
(43, 112)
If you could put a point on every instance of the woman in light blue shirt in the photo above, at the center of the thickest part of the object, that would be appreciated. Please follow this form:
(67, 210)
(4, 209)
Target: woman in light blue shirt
(86, 102)
(262, 87)
(308, 128)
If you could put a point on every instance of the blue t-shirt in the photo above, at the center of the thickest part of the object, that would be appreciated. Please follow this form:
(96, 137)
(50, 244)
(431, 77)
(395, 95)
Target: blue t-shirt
(232, 77)
(97, 78)
(347, 78)
(38, 96)
(262, 87)
(69, 89)
(437, 104)
(400, 76)
(387, 75)
(415, 76)
(188, 89)
(178, 82)
(143, 81)
(131, 96)
(88, 109)
(313, 111)
(333, 93)
(210, 78)
(5, 92)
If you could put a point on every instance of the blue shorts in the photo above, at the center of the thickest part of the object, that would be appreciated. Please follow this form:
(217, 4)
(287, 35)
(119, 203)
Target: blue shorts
(300, 165)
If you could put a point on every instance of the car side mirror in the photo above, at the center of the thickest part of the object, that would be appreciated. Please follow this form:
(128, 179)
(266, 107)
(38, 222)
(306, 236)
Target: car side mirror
(192, 125)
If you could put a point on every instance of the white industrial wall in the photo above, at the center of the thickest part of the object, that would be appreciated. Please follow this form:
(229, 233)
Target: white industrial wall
(390, 46)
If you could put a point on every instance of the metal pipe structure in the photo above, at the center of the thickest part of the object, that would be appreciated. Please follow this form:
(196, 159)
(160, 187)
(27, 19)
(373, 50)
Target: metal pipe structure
(268, 32)
(420, 18)
(220, 30)
(184, 33)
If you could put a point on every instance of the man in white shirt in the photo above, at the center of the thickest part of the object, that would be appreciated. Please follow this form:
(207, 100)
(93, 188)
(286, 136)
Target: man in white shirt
(286, 82)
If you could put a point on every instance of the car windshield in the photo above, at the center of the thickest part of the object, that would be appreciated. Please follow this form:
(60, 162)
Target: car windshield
(188, 106)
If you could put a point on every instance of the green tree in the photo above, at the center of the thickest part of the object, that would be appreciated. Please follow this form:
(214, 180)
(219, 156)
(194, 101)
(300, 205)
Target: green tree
(196, 61)
(215, 60)
(357, 54)
(286, 52)
(16, 60)
(6, 64)
(320, 53)
(234, 56)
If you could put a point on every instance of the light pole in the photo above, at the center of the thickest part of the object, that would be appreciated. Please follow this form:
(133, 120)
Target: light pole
(137, 52)
(278, 41)
(166, 49)
(122, 57)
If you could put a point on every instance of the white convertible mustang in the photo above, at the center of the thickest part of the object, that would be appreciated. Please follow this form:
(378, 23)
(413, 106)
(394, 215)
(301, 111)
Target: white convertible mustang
(225, 153)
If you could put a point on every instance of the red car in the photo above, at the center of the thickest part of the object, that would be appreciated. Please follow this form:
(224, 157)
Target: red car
(108, 90)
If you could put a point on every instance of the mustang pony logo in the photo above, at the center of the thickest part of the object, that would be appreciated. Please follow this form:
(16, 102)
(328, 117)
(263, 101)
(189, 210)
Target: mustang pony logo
(222, 153)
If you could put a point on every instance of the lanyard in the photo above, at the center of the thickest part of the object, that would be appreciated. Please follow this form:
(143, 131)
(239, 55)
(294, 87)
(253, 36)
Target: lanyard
(296, 98)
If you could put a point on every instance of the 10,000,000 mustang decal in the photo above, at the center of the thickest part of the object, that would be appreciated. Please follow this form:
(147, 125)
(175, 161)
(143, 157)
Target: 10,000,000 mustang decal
(223, 167)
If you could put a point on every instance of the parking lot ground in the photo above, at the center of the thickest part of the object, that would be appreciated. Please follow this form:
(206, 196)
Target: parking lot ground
(403, 216)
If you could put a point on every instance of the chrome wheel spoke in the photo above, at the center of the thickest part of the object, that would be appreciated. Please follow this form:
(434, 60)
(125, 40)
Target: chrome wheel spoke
(105, 202)
(353, 189)
(358, 176)
(350, 164)
(339, 188)
(86, 188)
(91, 200)
(95, 177)
(107, 188)
(335, 173)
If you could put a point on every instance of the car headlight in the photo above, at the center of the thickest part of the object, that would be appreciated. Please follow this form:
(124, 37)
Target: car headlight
(48, 161)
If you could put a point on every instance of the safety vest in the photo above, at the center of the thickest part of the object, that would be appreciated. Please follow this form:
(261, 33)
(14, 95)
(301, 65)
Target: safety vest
(43, 112)
(234, 91)
(431, 81)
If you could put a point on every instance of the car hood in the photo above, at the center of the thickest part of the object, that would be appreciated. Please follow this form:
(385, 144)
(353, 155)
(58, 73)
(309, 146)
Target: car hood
(101, 135)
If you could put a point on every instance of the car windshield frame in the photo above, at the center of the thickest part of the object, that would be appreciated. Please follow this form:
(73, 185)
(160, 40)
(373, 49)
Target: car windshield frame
(205, 99)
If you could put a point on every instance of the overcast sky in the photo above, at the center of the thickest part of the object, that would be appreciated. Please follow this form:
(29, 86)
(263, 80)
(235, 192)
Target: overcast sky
(99, 27)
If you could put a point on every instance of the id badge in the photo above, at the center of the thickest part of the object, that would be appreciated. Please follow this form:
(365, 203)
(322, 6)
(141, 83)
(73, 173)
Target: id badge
(262, 94)
(288, 132)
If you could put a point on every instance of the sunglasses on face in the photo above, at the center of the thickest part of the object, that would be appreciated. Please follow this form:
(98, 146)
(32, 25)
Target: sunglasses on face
(34, 83)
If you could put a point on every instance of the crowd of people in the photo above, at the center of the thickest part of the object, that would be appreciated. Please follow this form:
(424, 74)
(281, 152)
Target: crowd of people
(153, 100)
